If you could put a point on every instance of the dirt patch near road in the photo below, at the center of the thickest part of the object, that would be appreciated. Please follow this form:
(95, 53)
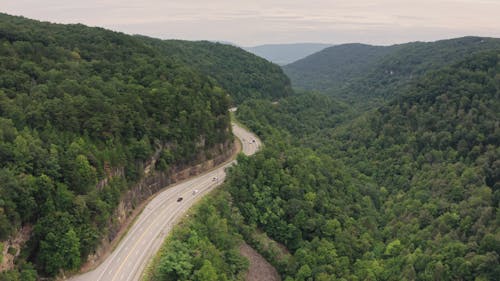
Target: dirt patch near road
(16, 242)
(259, 269)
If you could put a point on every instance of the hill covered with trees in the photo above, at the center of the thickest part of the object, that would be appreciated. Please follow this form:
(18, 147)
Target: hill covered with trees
(409, 191)
(333, 66)
(77, 103)
(364, 74)
(242, 74)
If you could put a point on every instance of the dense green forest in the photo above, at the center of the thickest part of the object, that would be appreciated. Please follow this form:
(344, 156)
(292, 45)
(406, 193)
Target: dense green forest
(367, 75)
(334, 66)
(303, 114)
(242, 74)
(74, 100)
(76, 103)
(409, 191)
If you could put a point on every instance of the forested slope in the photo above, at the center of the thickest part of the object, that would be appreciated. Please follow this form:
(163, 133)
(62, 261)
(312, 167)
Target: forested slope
(334, 66)
(407, 192)
(79, 105)
(242, 74)
(365, 74)
(206, 245)
(301, 115)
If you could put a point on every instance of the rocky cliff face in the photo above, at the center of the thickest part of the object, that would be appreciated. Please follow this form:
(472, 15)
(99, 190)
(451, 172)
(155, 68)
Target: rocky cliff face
(153, 181)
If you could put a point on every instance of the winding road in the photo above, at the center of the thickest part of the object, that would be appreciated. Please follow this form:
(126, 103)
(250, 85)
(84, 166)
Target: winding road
(145, 237)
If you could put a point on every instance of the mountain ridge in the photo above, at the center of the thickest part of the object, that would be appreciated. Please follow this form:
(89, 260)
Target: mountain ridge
(374, 73)
(282, 54)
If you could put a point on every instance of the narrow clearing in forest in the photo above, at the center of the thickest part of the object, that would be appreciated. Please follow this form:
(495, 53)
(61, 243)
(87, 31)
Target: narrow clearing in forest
(259, 269)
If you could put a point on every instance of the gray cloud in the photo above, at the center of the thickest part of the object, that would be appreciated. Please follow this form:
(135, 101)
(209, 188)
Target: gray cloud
(276, 21)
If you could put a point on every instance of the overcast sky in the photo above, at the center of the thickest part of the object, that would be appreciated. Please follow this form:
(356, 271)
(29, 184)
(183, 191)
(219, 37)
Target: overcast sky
(254, 22)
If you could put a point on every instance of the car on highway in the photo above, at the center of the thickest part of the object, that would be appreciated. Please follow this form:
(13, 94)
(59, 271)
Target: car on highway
(179, 199)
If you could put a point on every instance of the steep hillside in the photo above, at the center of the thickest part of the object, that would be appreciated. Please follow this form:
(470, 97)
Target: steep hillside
(406, 192)
(81, 106)
(242, 74)
(364, 74)
(303, 114)
(286, 53)
(333, 67)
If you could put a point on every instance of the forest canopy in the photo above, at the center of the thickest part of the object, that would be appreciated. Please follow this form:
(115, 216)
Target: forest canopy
(242, 74)
(409, 191)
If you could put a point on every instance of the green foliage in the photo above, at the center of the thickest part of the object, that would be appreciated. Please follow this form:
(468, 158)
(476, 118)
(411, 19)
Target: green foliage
(300, 114)
(59, 244)
(83, 176)
(206, 272)
(175, 264)
(409, 191)
(24, 272)
(204, 247)
(334, 66)
(242, 74)
(406, 192)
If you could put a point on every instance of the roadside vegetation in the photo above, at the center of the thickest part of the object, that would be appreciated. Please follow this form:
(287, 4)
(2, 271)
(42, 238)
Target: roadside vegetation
(409, 191)
(81, 106)
(76, 103)
(204, 246)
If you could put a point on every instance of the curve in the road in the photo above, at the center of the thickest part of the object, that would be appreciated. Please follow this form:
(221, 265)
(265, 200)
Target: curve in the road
(145, 237)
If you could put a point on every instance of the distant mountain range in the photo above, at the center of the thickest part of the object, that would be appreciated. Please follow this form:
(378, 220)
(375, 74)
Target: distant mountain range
(286, 53)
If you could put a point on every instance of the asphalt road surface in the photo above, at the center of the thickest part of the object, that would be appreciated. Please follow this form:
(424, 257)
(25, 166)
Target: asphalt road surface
(145, 237)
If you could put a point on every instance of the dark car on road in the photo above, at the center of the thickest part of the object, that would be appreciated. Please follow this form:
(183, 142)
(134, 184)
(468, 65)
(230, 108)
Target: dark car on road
(179, 199)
